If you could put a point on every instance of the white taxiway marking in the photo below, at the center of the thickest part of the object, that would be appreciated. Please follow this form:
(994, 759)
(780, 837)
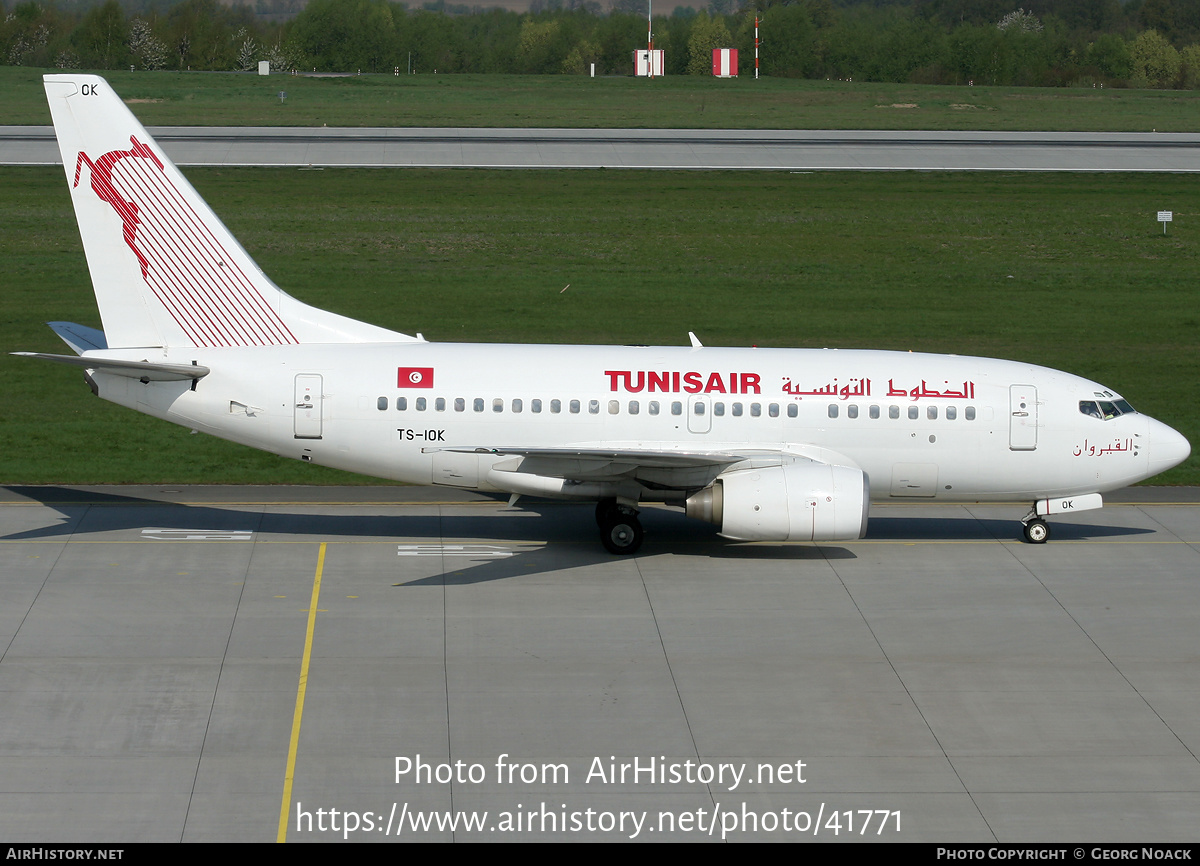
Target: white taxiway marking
(475, 551)
(198, 534)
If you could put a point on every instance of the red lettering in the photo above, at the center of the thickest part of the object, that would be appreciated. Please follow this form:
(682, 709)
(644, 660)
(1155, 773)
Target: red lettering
(714, 384)
(693, 382)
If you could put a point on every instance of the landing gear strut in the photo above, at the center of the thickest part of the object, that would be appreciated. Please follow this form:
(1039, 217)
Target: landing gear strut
(620, 530)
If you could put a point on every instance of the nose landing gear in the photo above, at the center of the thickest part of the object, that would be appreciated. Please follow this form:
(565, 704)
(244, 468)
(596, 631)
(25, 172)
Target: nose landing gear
(1037, 531)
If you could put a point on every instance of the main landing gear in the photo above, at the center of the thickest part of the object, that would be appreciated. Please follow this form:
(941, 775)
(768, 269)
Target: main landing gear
(1037, 530)
(620, 529)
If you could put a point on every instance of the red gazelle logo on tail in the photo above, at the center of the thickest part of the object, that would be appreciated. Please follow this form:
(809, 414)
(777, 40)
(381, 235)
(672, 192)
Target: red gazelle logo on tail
(196, 277)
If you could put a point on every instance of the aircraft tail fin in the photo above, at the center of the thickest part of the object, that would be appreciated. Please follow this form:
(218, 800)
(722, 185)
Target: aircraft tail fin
(165, 270)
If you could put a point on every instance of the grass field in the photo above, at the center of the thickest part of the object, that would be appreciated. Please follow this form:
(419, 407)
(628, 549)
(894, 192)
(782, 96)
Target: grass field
(680, 102)
(1071, 271)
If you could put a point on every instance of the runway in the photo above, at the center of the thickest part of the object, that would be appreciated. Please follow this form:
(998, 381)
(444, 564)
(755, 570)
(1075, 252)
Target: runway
(768, 150)
(414, 658)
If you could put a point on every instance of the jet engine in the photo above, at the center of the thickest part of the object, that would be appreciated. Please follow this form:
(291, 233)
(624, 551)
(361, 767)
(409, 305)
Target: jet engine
(798, 501)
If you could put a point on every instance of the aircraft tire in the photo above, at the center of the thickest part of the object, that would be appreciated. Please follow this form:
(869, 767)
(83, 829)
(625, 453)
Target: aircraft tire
(622, 534)
(1037, 531)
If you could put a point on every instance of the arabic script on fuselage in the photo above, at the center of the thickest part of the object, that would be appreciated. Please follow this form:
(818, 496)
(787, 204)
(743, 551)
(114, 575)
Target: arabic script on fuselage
(860, 386)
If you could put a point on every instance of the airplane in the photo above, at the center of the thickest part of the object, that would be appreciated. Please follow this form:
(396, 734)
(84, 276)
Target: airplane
(767, 444)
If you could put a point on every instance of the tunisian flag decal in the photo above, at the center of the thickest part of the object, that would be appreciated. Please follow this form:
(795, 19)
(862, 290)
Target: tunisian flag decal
(414, 377)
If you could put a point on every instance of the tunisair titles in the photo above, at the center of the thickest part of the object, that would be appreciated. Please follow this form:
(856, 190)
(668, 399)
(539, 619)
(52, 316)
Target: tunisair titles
(695, 382)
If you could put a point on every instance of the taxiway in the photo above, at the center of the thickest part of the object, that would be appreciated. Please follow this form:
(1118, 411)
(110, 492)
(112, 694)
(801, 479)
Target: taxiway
(172, 657)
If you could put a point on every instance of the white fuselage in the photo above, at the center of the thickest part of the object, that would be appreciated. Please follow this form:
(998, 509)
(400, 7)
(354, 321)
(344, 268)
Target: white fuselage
(767, 444)
(918, 425)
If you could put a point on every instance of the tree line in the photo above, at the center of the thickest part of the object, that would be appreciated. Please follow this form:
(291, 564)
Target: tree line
(1140, 43)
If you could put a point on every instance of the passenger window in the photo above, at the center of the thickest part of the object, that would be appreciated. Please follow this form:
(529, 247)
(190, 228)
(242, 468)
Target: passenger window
(951, 413)
(931, 413)
(517, 405)
(773, 410)
(593, 407)
(676, 408)
(793, 410)
(460, 405)
(970, 413)
(873, 412)
(913, 413)
(614, 406)
(833, 410)
(574, 407)
(535, 406)
(440, 404)
(893, 412)
(478, 404)
(555, 407)
(653, 407)
(420, 404)
(381, 403)
(634, 408)
(497, 405)
(852, 411)
(401, 404)
(719, 409)
(737, 410)
(698, 407)
(755, 410)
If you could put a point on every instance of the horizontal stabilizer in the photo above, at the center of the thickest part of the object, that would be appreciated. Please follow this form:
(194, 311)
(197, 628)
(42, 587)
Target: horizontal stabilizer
(79, 337)
(142, 370)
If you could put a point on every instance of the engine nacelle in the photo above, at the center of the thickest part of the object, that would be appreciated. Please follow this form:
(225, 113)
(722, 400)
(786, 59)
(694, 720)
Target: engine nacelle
(798, 501)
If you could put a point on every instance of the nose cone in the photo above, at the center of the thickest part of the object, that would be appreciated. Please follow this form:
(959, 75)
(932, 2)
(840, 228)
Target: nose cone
(1167, 448)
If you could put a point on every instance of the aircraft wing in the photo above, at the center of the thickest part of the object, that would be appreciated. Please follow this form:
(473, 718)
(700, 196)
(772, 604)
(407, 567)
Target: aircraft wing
(650, 458)
(655, 467)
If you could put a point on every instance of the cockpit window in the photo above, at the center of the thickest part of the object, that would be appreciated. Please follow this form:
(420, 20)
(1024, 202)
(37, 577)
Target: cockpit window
(1104, 409)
